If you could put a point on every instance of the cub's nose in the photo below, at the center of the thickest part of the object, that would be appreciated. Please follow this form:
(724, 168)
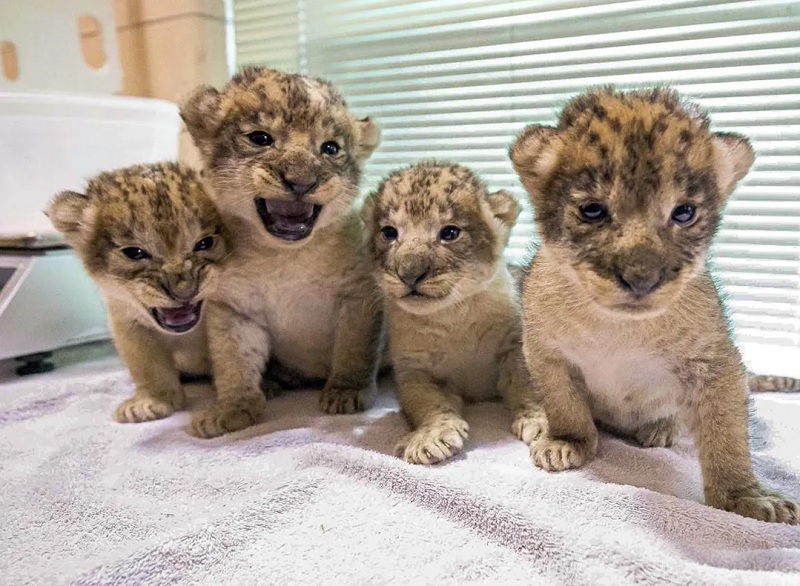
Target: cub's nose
(639, 283)
(299, 187)
(182, 290)
(413, 277)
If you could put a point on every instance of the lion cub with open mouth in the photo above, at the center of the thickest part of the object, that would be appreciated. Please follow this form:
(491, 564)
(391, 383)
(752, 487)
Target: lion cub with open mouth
(151, 238)
(437, 238)
(623, 323)
(285, 156)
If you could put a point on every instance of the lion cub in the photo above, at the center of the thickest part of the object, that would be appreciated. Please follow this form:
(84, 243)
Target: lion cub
(437, 239)
(623, 324)
(151, 238)
(284, 155)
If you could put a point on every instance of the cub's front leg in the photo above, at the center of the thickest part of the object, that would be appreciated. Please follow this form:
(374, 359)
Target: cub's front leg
(571, 437)
(351, 384)
(157, 388)
(238, 348)
(515, 385)
(435, 414)
(719, 419)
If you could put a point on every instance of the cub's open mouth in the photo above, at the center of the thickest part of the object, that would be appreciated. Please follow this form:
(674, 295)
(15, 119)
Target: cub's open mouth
(178, 320)
(288, 220)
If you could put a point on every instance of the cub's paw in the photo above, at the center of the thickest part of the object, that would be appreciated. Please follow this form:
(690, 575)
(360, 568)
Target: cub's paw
(659, 434)
(140, 409)
(529, 424)
(341, 400)
(227, 417)
(433, 442)
(555, 455)
(764, 505)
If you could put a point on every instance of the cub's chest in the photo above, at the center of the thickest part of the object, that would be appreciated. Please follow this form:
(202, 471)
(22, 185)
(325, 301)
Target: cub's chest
(298, 300)
(627, 383)
(281, 287)
(608, 367)
(461, 350)
(190, 350)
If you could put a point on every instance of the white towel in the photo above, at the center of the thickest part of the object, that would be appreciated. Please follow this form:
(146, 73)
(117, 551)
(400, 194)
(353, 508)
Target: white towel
(307, 498)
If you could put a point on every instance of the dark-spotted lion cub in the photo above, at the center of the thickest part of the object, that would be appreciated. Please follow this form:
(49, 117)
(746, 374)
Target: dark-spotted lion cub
(151, 238)
(437, 237)
(284, 155)
(623, 324)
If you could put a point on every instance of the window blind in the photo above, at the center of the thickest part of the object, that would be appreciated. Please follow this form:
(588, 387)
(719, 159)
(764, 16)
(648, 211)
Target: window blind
(457, 79)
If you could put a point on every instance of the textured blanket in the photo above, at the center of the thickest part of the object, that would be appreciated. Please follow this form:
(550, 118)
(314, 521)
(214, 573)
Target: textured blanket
(306, 498)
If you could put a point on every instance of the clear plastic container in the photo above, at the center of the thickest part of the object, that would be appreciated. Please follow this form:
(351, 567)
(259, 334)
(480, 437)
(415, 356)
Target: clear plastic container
(50, 141)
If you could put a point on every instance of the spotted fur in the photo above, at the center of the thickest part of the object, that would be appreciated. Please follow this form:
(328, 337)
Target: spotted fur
(766, 383)
(424, 199)
(300, 114)
(623, 325)
(308, 303)
(165, 211)
(453, 316)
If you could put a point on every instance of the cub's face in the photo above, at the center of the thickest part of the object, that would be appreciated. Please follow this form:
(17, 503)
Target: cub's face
(628, 191)
(283, 151)
(436, 235)
(150, 236)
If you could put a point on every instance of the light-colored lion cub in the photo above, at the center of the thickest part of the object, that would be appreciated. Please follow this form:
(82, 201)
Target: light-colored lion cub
(150, 237)
(622, 322)
(437, 239)
(284, 155)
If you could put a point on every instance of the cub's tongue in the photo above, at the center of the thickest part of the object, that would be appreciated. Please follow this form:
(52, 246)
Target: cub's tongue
(287, 220)
(290, 212)
(176, 317)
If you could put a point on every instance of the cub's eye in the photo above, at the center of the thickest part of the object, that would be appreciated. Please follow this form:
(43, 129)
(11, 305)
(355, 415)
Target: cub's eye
(449, 233)
(389, 233)
(135, 253)
(260, 138)
(330, 148)
(206, 243)
(684, 213)
(593, 211)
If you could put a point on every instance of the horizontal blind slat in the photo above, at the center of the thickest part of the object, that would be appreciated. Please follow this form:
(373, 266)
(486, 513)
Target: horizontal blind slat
(457, 80)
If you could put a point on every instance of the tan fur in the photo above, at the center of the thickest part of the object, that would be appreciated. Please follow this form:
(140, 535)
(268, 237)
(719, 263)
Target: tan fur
(622, 322)
(768, 383)
(460, 339)
(164, 210)
(309, 303)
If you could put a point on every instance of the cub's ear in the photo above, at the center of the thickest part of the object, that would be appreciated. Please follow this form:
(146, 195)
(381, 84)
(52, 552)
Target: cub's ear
(733, 157)
(368, 139)
(368, 210)
(534, 154)
(68, 213)
(201, 112)
(504, 206)
(369, 215)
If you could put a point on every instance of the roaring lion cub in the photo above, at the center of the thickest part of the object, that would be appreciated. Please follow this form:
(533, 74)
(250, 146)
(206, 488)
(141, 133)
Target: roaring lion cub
(284, 155)
(151, 238)
(623, 324)
(437, 239)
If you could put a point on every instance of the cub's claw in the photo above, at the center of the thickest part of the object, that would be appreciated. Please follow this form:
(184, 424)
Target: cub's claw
(433, 442)
(342, 400)
(529, 425)
(141, 409)
(764, 505)
(555, 455)
(228, 417)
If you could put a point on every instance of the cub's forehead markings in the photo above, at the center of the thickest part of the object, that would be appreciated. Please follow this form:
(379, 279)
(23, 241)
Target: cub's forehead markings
(314, 93)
